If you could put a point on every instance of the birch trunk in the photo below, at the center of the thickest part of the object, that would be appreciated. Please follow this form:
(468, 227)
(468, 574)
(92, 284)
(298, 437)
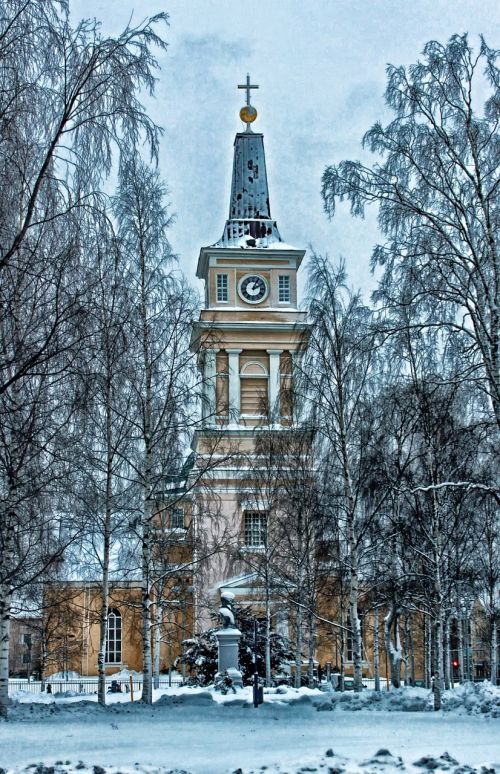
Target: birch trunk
(311, 647)
(103, 620)
(467, 648)
(5, 608)
(147, 685)
(43, 659)
(494, 651)
(461, 665)
(158, 626)
(394, 651)
(298, 646)
(438, 671)
(8, 524)
(428, 651)
(437, 593)
(406, 660)
(376, 651)
(447, 655)
(146, 548)
(410, 651)
(354, 621)
(342, 651)
(355, 624)
(103, 634)
(269, 676)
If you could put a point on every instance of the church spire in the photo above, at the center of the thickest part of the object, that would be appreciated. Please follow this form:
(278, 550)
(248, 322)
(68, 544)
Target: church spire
(249, 224)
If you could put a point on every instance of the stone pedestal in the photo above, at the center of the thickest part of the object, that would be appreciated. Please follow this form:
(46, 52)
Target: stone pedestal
(228, 640)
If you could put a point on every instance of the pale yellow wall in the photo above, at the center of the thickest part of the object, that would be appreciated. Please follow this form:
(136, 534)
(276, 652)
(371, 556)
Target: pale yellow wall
(78, 627)
(75, 638)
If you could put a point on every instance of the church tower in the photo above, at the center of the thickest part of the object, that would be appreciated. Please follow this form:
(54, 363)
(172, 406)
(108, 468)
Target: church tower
(249, 333)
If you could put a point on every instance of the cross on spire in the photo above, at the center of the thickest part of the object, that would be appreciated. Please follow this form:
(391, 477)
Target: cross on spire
(248, 86)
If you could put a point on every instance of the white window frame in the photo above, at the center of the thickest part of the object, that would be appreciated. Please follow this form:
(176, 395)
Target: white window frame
(222, 288)
(284, 289)
(114, 637)
(254, 528)
(177, 515)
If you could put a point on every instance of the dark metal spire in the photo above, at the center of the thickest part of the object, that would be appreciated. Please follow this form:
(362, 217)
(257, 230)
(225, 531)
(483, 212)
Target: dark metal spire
(249, 223)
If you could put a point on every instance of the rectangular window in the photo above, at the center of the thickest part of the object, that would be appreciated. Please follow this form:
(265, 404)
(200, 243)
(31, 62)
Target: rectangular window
(255, 528)
(284, 289)
(222, 288)
(177, 519)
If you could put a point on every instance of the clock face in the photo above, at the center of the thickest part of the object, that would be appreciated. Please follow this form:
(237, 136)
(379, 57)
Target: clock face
(253, 288)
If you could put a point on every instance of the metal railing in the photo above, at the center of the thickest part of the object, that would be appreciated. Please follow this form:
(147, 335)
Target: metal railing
(85, 685)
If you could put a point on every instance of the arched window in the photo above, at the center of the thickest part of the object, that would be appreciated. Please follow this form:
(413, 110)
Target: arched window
(114, 641)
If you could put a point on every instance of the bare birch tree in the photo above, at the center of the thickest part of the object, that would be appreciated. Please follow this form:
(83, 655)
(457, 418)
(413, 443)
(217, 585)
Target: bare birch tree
(336, 374)
(68, 99)
(437, 188)
(160, 361)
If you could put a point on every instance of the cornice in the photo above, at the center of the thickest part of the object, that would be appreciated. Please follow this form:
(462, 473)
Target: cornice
(261, 325)
(246, 255)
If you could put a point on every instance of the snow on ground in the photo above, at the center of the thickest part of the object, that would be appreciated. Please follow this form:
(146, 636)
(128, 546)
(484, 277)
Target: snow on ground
(197, 731)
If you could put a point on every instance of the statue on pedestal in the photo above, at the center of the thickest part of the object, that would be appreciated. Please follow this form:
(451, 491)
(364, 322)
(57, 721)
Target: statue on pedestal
(228, 637)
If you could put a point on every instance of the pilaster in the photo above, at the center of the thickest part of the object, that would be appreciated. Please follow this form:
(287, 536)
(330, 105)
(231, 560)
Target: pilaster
(209, 387)
(234, 385)
(274, 384)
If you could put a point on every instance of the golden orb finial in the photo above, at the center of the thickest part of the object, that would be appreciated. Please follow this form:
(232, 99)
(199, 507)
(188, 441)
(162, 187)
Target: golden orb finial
(248, 113)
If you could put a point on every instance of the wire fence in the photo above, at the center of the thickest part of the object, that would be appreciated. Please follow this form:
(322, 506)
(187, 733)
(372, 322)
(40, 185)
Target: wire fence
(86, 685)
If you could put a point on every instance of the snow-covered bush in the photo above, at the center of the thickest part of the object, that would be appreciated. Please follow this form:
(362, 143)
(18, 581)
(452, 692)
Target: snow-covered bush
(200, 657)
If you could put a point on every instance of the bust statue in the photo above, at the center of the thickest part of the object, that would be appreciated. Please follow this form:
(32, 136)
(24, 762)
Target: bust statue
(226, 610)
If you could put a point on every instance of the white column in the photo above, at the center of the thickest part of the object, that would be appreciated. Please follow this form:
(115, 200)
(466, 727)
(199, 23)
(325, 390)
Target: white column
(234, 385)
(274, 385)
(209, 386)
(297, 355)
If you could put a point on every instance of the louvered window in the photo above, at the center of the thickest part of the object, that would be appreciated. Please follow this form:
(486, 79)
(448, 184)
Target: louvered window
(254, 396)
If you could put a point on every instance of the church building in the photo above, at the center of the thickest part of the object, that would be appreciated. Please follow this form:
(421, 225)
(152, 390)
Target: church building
(249, 333)
(216, 520)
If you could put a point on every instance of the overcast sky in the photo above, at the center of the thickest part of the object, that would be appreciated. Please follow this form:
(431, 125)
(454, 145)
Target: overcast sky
(320, 66)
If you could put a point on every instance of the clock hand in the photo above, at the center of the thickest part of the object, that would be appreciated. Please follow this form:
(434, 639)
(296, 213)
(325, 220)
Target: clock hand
(252, 289)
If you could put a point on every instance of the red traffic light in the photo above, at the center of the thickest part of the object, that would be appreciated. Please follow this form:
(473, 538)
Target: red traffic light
(454, 663)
